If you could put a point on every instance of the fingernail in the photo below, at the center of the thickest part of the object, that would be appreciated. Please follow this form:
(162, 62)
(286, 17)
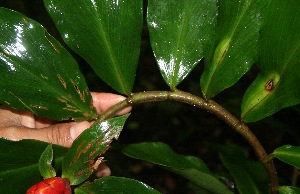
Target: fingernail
(119, 99)
(77, 129)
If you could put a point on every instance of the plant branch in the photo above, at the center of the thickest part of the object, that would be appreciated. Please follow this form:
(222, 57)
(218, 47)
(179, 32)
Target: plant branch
(209, 106)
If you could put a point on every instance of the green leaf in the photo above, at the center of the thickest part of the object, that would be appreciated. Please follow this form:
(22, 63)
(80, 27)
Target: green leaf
(250, 176)
(19, 164)
(235, 45)
(276, 86)
(45, 163)
(113, 185)
(178, 30)
(79, 162)
(288, 154)
(189, 167)
(289, 190)
(37, 74)
(106, 34)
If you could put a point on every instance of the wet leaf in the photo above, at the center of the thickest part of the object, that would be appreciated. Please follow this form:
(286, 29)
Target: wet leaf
(235, 45)
(190, 167)
(276, 86)
(289, 190)
(288, 154)
(112, 185)
(250, 176)
(79, 162)
(106, 34)
(178, 30)
(19, 164)
(37, 74)
(45, 163)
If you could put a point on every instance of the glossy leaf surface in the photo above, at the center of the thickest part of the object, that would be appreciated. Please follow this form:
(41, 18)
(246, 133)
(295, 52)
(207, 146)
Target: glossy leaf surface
(235, 45)
(276, 86)
(19, 164)
(45, 163)
(289, 190)
(112, 185)
(250, 177)
(189, 167)
(288, 154)
(178, 30)
(37, 74)
(94, 141)
(105, 33)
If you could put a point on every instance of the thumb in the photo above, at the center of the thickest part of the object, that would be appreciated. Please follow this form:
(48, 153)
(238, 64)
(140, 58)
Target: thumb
(65, 133)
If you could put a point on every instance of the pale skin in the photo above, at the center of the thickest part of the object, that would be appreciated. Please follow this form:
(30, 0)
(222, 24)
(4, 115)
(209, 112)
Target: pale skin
(17, 125)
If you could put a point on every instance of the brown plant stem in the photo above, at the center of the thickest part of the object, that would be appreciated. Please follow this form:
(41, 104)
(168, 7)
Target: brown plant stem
(210, 106)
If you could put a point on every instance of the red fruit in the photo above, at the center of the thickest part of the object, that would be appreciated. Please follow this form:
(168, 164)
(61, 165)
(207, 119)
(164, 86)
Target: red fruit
(54, 185)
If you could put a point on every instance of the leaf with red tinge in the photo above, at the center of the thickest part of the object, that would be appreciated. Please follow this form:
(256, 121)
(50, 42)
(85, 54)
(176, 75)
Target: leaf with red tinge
(45, 163)
(54, 185)
(79, 162)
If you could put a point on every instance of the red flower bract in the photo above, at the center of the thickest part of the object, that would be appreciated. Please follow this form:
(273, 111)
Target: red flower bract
(54, 185)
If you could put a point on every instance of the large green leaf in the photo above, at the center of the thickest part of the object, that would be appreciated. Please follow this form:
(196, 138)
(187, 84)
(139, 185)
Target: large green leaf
(113, 185)
(235, 47)
(79, 162)
(288, 154)
(178, 30)
(105, 33)
(37, 73)
(19, 164)
(276, 86)
(250, 176)
(189, 167)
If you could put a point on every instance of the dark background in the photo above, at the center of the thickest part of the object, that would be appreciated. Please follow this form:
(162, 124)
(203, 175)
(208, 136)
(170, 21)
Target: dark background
(186, 129)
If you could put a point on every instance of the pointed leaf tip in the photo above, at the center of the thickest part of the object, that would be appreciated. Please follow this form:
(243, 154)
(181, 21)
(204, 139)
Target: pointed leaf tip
(107, 34)
(178, 30)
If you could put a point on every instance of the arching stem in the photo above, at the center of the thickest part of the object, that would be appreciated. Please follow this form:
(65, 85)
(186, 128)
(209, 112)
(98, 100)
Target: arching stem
(209, 106)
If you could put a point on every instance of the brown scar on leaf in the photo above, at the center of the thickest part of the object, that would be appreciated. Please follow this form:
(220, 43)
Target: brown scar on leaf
(81, 173)
(53, 46)
(24, 20)
(86, 149)
(62, 81)
(61, 100)
(97, 163)
(71, 108)
(269, 86)
(78, 153)
(39, 107)
(93, 153)
(78, 91)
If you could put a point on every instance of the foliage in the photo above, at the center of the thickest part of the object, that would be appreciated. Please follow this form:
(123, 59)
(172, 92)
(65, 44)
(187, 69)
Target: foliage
(39, 75)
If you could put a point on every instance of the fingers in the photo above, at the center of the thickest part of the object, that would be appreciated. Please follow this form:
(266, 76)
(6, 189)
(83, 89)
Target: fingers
(62, 134)
(103, 170)
(103, 101)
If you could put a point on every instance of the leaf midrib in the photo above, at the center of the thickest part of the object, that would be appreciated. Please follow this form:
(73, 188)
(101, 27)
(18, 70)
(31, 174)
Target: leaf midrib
(243, 15)
(112, 58)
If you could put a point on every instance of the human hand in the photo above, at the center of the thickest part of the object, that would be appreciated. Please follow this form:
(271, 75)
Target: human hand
(17, 124)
